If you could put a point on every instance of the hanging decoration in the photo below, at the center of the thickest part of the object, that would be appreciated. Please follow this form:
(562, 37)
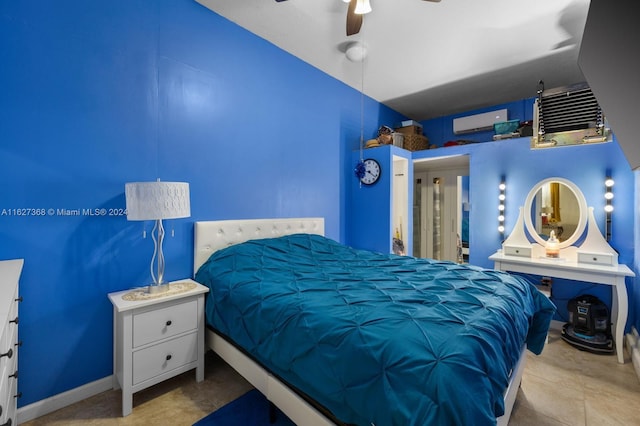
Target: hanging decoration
(360, 170)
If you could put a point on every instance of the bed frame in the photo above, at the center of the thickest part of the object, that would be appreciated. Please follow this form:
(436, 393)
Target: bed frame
(211, 236)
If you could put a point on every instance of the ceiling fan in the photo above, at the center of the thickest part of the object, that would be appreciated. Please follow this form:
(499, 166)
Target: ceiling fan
(357, 8)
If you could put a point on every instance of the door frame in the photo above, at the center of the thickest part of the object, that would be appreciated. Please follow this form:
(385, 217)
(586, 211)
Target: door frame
(451, 168)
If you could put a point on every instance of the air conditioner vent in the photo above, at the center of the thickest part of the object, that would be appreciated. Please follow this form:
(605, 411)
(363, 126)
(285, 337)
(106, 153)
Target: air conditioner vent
(568, 116)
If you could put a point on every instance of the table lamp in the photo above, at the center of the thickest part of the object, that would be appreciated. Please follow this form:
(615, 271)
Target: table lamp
(157, 201)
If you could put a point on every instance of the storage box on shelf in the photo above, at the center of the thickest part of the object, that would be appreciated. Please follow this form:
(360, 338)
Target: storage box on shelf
(415, 142)
(410, 130)
(409, 127)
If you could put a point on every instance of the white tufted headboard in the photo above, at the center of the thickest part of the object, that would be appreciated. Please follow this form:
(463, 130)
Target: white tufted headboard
(211, 236)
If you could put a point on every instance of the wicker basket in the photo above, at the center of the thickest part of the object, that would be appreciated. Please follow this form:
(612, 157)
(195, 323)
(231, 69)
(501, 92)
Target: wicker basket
(415, 142)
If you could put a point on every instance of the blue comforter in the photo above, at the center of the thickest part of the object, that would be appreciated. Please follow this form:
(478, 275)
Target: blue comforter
(376, 339)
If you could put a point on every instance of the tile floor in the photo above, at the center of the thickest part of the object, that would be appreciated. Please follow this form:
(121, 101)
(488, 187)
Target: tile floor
(563, 386)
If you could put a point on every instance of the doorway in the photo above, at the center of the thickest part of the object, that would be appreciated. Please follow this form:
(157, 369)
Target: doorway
(441, 208)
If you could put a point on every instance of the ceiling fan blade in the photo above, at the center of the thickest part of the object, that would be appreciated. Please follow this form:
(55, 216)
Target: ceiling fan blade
(354, 21)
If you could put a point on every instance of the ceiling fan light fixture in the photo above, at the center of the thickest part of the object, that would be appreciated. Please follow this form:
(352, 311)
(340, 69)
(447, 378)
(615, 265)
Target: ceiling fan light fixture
(362, 7)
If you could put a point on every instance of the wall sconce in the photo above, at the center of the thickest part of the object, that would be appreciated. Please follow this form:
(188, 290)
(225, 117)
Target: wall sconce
(608, 207)
(501, 203)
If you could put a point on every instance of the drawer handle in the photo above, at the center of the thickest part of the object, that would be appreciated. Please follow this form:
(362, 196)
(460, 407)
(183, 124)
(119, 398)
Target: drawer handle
(168, 323)
(168, 358)
(14, 375)
(517, 251)
(15, 320)
(595, 259)
(8, 354)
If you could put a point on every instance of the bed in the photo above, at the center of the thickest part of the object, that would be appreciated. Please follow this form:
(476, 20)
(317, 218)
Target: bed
(331, 335)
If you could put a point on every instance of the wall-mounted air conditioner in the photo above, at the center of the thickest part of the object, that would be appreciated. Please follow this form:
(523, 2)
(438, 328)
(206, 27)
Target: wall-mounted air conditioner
(478, 122)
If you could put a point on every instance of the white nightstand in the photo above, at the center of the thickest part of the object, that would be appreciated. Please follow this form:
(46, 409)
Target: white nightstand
(156, 337)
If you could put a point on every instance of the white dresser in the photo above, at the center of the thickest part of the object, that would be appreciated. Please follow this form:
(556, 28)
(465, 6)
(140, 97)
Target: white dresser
(156, 337)
(10, 271)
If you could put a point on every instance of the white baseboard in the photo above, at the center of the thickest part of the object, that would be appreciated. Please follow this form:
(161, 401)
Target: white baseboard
(633, 347)
(61, 400)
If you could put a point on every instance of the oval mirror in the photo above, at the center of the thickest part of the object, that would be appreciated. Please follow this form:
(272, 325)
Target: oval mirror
(555, 204)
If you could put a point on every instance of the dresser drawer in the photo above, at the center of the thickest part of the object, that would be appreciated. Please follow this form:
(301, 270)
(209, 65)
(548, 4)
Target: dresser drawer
(163, 323)
(597, 258)
(8, 348)
(155, 360)
(8, 391)
(5, 384)
(521, 251)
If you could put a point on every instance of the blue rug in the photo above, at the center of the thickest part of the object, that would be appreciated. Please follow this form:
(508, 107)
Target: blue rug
(251, 409)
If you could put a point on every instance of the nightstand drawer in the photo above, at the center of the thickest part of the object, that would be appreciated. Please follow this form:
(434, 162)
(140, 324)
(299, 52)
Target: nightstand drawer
(162, 323)
(155, 360)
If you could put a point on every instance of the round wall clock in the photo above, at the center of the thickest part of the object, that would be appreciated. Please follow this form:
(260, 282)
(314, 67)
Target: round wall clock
(372, 172)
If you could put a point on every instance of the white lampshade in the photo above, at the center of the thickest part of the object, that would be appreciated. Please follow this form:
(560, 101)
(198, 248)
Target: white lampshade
(157, 200)
(362, 7)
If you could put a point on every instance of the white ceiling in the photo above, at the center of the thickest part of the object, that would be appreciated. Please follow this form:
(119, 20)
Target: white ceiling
(427, 59)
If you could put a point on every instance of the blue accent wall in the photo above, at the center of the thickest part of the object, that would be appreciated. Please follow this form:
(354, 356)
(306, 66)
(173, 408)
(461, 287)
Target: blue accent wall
(97, 94)
(371, 212)
(440, 130)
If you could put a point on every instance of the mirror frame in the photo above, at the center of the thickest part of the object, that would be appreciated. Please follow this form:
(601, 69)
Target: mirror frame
(582, 204)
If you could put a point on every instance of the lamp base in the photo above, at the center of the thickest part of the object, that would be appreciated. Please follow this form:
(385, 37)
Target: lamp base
(158, 288)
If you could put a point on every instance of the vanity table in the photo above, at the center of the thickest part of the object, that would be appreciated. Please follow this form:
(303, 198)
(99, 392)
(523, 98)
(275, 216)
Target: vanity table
(571, 270)
(593, 261)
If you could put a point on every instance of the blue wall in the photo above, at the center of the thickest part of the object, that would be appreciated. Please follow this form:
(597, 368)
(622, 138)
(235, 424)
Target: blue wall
(371, 212)
(96, 94)
(440, 130)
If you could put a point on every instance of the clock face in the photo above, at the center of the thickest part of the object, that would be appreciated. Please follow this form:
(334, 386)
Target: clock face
(372, 172)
